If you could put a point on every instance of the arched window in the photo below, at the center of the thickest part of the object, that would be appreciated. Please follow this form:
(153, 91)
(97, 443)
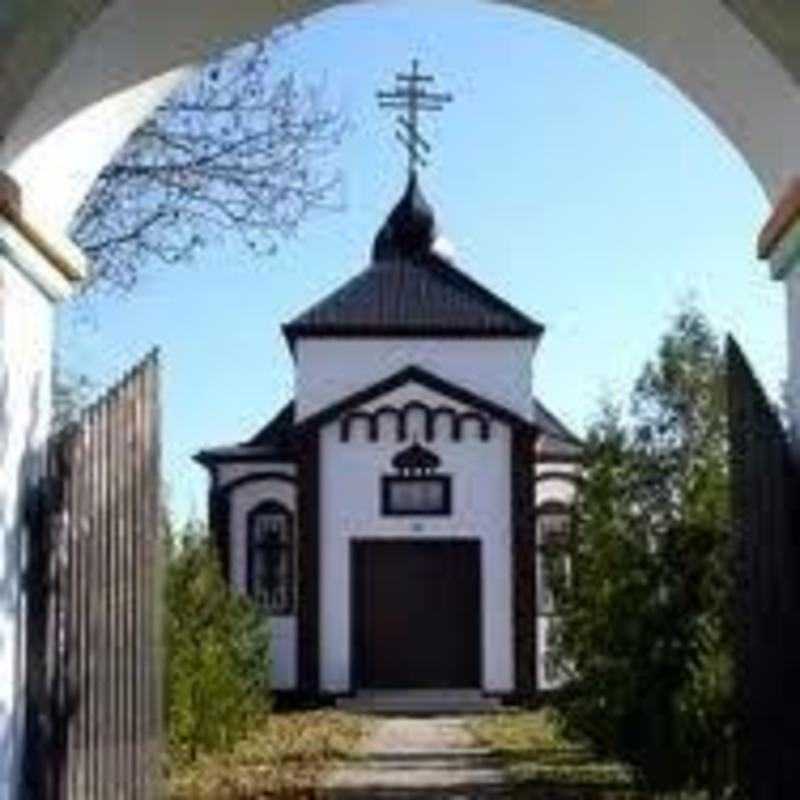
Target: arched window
(552, 562)
(270, 557)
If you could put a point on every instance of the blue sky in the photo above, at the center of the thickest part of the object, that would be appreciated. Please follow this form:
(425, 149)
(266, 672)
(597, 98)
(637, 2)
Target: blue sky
(571, 179)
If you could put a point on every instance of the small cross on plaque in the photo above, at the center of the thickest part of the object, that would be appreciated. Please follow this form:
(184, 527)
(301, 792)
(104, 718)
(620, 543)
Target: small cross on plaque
(411, 96)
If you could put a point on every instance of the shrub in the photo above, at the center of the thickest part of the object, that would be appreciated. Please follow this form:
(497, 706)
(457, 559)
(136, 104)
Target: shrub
(217, 666)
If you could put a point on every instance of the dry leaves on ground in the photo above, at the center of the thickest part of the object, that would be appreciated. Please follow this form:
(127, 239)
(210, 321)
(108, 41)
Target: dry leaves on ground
(288, 754)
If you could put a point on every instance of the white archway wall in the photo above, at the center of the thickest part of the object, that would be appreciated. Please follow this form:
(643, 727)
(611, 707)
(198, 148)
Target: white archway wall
(137, 51)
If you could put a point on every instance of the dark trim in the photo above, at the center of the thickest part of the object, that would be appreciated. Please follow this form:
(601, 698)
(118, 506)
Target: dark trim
(243, 458)
(553, 475)
(308, 562)
(414, 374)
(447, 495)
(416, 460)
(294, 332)
(553, 507)
(355, 639)
(372, 418)
(523, 517)
(546, 457)
(219, 512)
(275, 507)
(471, 416)
(219, 523)
(253, 477)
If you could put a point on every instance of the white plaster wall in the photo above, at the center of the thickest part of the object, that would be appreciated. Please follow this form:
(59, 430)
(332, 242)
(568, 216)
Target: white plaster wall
(26, 328)
(556, 489)
(350, 509)
(283, 629)
(227, 473)
(330, 369)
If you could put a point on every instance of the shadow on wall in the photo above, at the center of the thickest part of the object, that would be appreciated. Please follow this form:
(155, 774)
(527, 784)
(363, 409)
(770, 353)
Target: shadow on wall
(16, 476)
(50, 700)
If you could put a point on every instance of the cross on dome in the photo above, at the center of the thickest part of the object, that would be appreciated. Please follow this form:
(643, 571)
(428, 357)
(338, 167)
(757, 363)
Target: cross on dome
(410, 96)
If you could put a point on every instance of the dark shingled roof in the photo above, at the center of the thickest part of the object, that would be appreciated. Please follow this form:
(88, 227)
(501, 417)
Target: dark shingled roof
(272, 442)
(410, 290)
(277, 432)
(552, 426)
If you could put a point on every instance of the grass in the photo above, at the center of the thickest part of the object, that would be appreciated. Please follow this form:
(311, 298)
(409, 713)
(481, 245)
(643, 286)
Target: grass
(535, 754)
(288, 755)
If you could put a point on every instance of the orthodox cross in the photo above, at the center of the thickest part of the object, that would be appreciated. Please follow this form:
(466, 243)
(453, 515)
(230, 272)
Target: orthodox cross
(411, 96)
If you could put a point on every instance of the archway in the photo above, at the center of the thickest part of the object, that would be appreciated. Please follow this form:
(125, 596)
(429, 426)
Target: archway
(121, 65)
(133, 53)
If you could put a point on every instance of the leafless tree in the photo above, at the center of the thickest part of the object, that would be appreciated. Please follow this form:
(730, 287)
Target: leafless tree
(236, 150)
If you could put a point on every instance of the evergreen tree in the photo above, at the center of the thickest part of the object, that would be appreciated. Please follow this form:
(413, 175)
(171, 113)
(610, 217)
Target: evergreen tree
(217, 666)
(645, 630)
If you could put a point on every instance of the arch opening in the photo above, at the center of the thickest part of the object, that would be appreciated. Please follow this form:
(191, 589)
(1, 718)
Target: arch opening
(134, 53)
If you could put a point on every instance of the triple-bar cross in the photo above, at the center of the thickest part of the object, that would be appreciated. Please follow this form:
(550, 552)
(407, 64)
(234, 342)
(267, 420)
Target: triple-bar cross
(411, 96)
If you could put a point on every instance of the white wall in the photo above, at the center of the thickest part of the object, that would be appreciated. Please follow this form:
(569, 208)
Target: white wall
(330, 369)
(283, 629)
(27, 294)
(350, 509)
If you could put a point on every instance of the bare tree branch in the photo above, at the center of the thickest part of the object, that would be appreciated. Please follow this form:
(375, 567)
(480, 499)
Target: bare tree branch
(236, 150)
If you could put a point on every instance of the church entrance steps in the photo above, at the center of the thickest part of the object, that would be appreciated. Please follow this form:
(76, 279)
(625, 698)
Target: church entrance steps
(411, 756)
(419, 701)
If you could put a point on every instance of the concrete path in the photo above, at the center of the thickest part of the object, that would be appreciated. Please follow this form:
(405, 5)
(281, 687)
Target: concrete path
(412, 757)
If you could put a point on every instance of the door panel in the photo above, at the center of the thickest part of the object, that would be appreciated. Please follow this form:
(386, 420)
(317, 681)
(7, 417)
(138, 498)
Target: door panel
(416, 614)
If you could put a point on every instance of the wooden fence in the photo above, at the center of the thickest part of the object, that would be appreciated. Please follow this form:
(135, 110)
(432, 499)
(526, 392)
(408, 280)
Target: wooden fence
(766, 524)
(94, 720)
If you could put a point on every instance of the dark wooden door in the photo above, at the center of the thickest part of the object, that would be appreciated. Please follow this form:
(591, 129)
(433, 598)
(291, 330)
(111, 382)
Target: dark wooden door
(416, 614)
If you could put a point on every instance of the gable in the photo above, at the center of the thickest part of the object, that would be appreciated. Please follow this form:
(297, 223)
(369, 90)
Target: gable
(468, 401)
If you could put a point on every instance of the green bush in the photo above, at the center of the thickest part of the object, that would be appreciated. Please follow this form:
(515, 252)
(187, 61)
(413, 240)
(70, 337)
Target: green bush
(217, 667)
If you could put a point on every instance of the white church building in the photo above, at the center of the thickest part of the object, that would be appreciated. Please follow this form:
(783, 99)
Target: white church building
(390, 518)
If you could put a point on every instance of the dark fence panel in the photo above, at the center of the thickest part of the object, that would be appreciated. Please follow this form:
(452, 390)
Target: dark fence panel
(94, 722)
(767, 536)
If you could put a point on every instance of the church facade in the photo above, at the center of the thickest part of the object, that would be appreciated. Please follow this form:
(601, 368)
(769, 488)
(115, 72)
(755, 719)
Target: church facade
(392, 519)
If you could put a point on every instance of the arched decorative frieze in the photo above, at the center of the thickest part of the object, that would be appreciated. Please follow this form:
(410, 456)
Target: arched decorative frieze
(435, 414)
(553, 508)
(429, 422)
(553, 475)
(472, 416)
(396, 415)
(459, 422)
(369, 420)
(253, 477)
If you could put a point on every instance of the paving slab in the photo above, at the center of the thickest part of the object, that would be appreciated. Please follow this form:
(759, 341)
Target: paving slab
(413, 757)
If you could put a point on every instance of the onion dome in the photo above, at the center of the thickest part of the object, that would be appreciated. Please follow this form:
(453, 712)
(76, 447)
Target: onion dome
(409, 230)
